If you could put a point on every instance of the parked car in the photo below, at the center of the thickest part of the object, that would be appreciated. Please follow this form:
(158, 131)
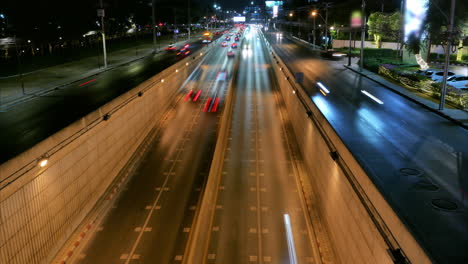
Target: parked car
(428, 72)
(439, 75)
(458, 82)
(333, 54)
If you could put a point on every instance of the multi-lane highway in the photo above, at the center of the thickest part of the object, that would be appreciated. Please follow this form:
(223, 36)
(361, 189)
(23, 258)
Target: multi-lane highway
(25, 124)
(260, 216)
(152, 218)
(417, 159)
(258, 199)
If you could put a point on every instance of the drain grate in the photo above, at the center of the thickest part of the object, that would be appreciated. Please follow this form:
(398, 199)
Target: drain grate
(410, 172)
(444, 204)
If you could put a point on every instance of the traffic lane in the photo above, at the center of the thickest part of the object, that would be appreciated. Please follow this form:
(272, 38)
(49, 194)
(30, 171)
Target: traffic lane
(432, 145)
(182, 152)
(199, 149)
(118, 233)
(256, 186)
(195, 160)
(431, 131)
(24, 125)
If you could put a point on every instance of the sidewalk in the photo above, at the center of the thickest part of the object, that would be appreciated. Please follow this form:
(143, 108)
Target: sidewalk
(44, 80)
(457, 116)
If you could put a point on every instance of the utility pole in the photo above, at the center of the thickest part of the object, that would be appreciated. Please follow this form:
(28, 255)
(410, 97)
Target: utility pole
(326, 25)
(189, 19)
(314, 29)
(401, 33)
(154, 24)
(447, 56)
(349, 48)
(363, 34)
(103, 34)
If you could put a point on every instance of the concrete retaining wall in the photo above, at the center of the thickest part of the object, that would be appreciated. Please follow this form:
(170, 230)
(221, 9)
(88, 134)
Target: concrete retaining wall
(339, 43)
(361, 224)
(41, 207)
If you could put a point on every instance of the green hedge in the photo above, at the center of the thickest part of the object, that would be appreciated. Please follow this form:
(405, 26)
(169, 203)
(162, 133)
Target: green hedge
(409, 79)
(453, 58)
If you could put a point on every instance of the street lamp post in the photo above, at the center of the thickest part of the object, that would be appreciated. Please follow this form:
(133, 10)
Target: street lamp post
(314, 14)
(189, 19)
(103, 34)
(363, 34)
(154, 24)
(447, 56)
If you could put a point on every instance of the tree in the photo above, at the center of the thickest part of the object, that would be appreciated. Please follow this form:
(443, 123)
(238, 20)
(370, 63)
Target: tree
(437, 20)
(383, 25)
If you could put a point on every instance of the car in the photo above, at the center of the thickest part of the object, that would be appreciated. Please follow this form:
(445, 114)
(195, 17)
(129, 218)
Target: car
(171, 47)
(183, 51)
(236, 39)
(227, 38)
(333, 54)
(439, 76)
(459, 83)
(427, 72)
(206, 41)
(234, 45)
(230, 53)
(224, 44)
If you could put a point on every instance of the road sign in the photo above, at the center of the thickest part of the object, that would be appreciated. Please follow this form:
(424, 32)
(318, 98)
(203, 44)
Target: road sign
(100, 12)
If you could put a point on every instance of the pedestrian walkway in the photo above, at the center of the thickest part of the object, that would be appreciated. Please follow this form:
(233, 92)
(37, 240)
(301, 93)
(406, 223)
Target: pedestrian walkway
(12, 90)
(456, 115)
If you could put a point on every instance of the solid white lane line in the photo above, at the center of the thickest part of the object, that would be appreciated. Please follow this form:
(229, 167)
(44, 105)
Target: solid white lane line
(371, 96)
(290, 239)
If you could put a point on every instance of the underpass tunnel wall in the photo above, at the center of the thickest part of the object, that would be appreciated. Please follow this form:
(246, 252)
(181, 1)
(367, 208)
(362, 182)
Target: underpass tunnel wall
(354, 235)
(40, 208)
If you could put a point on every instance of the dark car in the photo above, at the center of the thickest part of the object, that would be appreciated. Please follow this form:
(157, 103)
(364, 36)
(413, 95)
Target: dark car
(332, 54)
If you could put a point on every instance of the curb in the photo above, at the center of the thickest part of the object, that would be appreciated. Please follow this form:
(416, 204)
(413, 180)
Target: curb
(76, 243)
(456, 121)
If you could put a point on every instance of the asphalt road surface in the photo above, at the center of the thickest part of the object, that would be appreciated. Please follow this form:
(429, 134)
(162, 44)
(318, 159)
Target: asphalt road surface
(151, 220)
(417, 159)
(258, 190)
(26, 124)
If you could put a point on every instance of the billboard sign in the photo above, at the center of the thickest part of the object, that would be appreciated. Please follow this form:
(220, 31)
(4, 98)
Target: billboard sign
(356, 19)
(271, 4)
(239, 19)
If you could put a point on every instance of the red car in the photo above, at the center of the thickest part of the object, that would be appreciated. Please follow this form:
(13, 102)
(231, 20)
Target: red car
(230, 53)
(234, 45)
(171, 47)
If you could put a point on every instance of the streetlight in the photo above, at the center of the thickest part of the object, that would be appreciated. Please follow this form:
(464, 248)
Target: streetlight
(153, 20)
(314, 15)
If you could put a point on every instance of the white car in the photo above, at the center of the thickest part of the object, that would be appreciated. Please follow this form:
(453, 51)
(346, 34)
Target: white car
(439, 76)
(459, 82)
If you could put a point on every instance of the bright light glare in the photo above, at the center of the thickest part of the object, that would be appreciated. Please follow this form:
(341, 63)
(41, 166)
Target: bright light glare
(43, 162)
(290, 238)
(323, 87)
(372, 97)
